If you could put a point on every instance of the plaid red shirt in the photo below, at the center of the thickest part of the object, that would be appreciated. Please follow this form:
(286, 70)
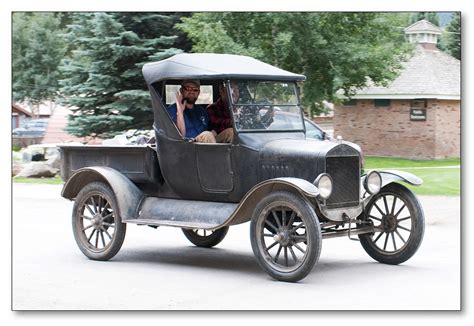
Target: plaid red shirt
(219, 116)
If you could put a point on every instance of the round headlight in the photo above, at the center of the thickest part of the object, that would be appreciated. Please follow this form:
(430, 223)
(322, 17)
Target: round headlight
(373, 182)
(324, 183)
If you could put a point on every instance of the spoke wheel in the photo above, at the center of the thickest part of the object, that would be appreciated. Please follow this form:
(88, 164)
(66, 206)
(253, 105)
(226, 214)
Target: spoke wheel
(398, 221)
(206, 238)
(285, 236)
(96, 223)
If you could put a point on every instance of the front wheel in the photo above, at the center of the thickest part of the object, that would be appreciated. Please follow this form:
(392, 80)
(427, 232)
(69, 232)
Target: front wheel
(206, 238)
(97, 226)
(398, 222)
(285, 236)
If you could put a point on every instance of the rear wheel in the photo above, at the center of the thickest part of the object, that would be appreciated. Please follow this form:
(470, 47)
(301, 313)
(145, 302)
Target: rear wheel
(398, 220)
(285, 236)
(206, 238)
(96, 223)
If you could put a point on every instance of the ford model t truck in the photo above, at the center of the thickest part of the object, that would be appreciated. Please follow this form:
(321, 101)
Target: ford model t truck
(294, 191)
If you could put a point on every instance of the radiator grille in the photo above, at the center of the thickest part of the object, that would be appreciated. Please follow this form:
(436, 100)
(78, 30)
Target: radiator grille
(345, 175)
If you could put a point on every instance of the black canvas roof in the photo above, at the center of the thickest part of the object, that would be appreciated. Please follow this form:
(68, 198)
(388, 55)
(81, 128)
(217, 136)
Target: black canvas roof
(214, 66)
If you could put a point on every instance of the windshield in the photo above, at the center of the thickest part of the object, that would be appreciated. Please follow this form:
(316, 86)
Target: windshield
(259, 105)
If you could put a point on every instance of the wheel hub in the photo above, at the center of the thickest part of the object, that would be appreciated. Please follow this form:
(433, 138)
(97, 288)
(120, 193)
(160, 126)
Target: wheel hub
(97, 221)
(283, 237)
(389, 223)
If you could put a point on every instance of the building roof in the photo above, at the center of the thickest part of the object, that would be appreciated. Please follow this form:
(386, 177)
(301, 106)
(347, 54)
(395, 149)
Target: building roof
(214, 66)
(423, 26)
(427, 74)
(43, 110)
(18, 109)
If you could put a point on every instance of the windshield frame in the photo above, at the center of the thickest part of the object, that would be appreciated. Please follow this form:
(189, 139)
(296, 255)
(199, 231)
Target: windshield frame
(228, 88)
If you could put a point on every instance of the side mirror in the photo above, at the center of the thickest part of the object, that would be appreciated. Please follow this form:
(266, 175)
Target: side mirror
(324, 136)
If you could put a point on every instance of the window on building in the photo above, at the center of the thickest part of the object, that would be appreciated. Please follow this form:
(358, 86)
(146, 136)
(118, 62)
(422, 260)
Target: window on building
(418, 110)
(351, 102)
(418, 103)
(382, 102)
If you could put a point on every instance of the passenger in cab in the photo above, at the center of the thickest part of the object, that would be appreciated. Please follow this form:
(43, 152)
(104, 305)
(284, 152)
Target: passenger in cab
(191, 119)
(220, 118)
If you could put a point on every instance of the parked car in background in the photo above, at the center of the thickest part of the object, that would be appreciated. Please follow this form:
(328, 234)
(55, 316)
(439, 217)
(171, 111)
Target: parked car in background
(33, 128)
(284, 120)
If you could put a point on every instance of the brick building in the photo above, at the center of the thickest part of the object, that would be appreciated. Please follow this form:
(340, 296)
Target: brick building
(416, 116)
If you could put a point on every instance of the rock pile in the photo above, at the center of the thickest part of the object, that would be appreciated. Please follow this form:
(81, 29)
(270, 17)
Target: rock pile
(25, 164)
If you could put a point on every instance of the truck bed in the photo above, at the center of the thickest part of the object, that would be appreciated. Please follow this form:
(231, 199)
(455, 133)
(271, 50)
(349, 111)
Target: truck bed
(138, 162)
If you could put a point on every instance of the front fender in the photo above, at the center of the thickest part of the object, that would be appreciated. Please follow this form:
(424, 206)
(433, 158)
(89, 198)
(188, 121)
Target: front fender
(389, 176)
(126, 192)
(244, 210)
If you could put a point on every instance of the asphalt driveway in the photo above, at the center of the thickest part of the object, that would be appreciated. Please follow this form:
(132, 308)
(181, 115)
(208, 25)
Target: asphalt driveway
(160, 270)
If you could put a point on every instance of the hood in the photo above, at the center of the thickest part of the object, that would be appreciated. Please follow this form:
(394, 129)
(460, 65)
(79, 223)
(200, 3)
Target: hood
(299, 158)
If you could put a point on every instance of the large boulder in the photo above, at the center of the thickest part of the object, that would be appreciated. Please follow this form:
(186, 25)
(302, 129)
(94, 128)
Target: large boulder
(38, 170)
(17, 164)
(55, 162)
(16, 167)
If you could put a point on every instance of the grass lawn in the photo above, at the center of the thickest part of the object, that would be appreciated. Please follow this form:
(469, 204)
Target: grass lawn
(372, 162)
(52, 181)
(439, 178)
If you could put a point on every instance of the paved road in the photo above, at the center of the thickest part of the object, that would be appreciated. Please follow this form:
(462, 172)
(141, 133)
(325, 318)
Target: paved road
(159, 269)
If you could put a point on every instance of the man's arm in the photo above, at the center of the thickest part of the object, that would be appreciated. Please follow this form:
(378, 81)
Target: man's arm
(180, 106)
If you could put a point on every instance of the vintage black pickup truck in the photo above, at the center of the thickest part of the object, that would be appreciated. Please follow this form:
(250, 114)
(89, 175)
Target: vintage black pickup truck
(294, 191)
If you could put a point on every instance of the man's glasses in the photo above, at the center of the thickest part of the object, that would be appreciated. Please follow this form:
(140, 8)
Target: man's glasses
(191, 89)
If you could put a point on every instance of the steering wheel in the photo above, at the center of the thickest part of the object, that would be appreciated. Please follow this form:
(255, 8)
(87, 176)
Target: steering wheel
(249, 117)
(267, 118)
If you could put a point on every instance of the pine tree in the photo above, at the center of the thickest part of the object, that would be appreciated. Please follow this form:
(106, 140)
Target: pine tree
(432, 17)
(453, 30)
(104, 85)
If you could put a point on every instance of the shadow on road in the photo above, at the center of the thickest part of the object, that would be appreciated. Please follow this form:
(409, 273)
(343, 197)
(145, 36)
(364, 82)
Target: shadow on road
(207, 258)
(228, 260)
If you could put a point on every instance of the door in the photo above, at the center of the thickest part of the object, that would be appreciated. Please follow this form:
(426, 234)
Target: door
(214, 167)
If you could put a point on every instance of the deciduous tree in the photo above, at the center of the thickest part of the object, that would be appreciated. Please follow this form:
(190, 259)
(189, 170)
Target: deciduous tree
(336, 51)
(37, 51)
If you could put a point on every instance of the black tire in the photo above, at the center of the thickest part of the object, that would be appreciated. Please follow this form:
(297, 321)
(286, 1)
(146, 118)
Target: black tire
(285, 220)
(95, 213)
(208, 238)
(395, 212)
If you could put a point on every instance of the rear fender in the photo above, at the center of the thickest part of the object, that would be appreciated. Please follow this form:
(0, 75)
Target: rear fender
(244, 210)
(126, 192)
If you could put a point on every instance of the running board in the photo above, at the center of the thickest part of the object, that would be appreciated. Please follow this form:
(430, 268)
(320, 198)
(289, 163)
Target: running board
(193, 214)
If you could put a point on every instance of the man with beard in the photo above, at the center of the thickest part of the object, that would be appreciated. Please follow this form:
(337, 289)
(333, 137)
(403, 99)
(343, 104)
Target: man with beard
(191, 119)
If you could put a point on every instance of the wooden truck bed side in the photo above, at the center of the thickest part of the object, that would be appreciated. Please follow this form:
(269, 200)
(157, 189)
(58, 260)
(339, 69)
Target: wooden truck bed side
(138, 162)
